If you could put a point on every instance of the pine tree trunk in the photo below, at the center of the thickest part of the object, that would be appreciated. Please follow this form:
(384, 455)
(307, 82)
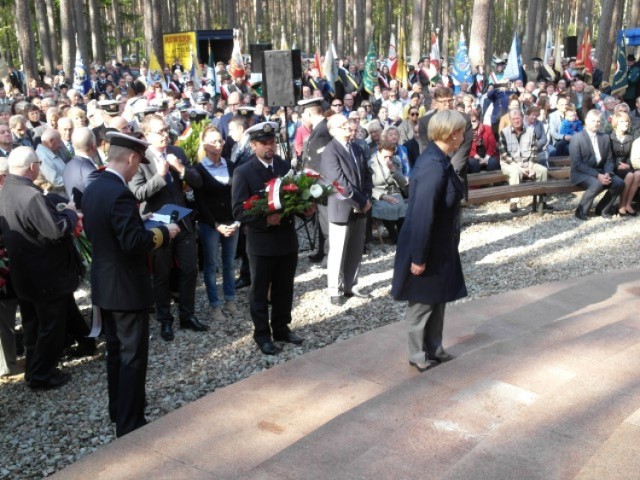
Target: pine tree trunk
(26, 41)
(117, 30)
(67, 37)
(44, 37)
(97, 34)
(426, 29)
(444, 49)
(368, 22)
(607, 35)
(81, 30)
(479, 29)
(340, 26)
(416, 30)
(541, 28)
(634, 18)
(53, 42)
(528, 42)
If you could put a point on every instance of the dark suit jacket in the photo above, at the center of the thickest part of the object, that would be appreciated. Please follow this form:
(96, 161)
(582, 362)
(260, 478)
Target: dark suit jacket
(315, 144)
(44, 262)
(154, 192)
(213, 199)
(262, 239)
(120, 278)
(429, 234)
(75, 176)
(338, 165)
(583, 157)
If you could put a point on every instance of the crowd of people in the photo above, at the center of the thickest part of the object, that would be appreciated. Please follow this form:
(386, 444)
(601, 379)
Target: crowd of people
(107, 157)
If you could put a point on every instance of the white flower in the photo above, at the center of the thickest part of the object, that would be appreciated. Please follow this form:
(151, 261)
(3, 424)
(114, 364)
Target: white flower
(316, 190)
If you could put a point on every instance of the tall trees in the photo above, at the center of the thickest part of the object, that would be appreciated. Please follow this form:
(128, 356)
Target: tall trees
(607, 33)
(45, 39)
(479, 29)
(97, 33)
(26, 42)
(67, 37)
(416, 30)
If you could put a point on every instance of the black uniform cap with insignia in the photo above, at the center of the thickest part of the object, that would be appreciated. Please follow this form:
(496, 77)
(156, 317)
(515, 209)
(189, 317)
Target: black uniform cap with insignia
(262, 131)
(118, 139)
(109, 106)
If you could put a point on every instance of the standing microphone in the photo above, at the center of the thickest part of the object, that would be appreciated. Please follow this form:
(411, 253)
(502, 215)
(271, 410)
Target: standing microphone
(174, 217)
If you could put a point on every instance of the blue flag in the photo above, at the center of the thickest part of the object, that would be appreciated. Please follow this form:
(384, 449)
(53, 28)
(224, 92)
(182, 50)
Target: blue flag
(461, 63)
(514, 62)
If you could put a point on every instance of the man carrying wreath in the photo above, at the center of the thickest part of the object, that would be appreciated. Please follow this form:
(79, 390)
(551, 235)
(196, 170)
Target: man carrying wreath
(272, 243)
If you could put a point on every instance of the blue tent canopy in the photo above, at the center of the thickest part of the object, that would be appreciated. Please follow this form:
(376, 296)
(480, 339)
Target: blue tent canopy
(632, 34)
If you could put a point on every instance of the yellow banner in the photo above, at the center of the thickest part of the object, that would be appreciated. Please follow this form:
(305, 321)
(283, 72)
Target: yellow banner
(180, 46)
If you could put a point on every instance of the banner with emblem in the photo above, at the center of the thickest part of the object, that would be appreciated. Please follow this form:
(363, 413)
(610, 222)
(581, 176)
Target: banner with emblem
(401, 73)
(461, 62)
(620, 80)
(514, 62)
(370, 74)
(236, 65)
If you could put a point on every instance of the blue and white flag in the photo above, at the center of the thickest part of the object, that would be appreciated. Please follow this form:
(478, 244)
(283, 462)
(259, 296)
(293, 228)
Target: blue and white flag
(547, 48)
(461, 62)
(514, 62)
(330, 68)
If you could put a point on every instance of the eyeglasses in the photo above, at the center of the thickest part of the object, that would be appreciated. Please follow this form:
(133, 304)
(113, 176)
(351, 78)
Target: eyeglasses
(336, 104)
(164, 131)
(414, 114)
(445, 100)
(232, 104)
(38, 162)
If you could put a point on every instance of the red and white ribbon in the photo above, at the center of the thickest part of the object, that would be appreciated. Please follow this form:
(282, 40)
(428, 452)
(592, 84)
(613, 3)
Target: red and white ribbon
(273, 199)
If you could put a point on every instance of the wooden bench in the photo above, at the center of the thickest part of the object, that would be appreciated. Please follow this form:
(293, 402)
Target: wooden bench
(560, 161)
(484, 179)
(526, 189)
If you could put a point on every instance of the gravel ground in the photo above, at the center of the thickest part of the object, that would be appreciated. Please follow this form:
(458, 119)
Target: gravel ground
(41, 433)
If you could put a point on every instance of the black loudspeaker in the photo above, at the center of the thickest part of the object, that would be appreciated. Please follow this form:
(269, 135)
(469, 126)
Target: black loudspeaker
(277, 78)
(256, 56)
(570, 46)
(296, 58)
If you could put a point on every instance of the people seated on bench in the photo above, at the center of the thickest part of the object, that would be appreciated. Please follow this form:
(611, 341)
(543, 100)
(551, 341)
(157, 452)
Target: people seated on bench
(484, 148)
(621, 142)
(592, 167)
(518, 156)
(542, 140)
(559, 141)
(390, 187)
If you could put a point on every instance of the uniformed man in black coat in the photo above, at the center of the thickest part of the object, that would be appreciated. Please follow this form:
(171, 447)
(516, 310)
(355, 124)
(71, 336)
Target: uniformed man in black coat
(272, 243)
(120, 280)
(45, 267)
(312, 151)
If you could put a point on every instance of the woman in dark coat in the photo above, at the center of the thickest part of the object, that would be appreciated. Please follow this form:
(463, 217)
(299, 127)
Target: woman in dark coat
(427, 271)
(621, 142)
(216, 222)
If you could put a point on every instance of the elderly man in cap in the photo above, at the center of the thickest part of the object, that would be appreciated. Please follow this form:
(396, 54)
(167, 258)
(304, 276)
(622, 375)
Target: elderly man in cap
(272, 243)
(45, 270)
(120, 282)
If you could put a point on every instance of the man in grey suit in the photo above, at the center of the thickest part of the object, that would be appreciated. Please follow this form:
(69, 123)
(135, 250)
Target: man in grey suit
(344, 163)
(77, 170)
(592, 168)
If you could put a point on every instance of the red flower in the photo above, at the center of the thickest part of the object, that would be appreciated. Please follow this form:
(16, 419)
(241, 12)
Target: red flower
(248, 203)
(79, 228)
(340, 189)
(290, 187)
(311, 173)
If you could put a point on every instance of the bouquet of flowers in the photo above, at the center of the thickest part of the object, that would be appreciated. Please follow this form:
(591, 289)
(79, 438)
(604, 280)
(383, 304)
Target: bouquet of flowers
(295, 193)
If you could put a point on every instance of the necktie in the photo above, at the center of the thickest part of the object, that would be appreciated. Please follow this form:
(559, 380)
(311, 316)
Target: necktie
(72, 152)
(168, 178)
(355, 161)
(270, 169)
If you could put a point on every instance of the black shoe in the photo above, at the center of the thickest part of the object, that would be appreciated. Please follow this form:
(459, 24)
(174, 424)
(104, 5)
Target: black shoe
(442, 358)
(358, 294)
(192, 323)
(289, 337)
(339, 300)
(579, 215)
(166, 331)
(513, 207)
(367, 250)
(57, 380)
(606, 213)
(546, 206)
(242, 282)
(86, 348)
(316, 257)
(268, 348)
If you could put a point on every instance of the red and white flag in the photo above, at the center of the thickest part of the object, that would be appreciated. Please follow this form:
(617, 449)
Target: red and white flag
(236, 65)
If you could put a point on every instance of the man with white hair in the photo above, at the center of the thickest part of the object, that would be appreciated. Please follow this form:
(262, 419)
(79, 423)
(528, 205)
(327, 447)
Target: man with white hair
(52, 166)
(77, 170)
(65, 128)
(44, 267)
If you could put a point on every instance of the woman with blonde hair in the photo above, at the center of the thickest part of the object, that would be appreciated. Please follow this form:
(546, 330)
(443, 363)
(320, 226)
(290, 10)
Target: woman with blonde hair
(427, 271)
(216, 222)
(621, 142)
